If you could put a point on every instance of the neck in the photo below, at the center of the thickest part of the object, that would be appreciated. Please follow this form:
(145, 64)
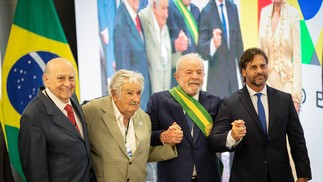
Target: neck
(277, 6)
(126, 121)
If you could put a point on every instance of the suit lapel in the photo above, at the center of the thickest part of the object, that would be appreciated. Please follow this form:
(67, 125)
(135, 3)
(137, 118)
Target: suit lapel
(80, 115)
(140, 131)
(152, 31)
(216, 16)
(59, 117)
(110, 121)
(247, 103)
(178, 113)
(131, 25)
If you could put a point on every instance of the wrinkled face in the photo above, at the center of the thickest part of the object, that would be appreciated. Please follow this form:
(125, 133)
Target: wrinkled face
(190, 76)
(128, 102)
(161, 12)
(186, 2)
(134, 4)
(256, 73)
(60, 79)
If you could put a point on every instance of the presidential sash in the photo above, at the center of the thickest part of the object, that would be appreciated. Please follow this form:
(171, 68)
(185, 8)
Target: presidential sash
(189, 20)
(193, 109)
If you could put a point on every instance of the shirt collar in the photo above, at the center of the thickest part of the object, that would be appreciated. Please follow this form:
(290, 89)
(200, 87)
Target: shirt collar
(217, 2)
(252, 92)
(58, 102)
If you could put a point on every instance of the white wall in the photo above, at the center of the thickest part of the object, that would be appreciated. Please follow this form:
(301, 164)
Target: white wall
(88, 49)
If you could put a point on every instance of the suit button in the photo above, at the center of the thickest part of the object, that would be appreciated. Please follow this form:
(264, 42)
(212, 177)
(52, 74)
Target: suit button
(128, 179)
(265, 162)
(130, 163)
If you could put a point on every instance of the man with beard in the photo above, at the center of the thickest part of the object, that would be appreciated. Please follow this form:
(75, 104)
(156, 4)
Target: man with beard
(254, 122)
(194, 111)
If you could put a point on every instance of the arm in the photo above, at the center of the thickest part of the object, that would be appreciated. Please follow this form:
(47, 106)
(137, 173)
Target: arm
(205, 35)
(297, 64)
(239, 42)
(297, 143)
(221, 127)
(122, 40)
(32, 149)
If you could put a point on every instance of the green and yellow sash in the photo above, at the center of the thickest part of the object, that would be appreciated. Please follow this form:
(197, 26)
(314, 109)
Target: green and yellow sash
(194, 109)
(189, 20)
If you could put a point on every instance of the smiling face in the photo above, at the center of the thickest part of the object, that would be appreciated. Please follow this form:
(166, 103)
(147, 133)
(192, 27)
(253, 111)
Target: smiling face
(161, 12)
(256, 73)
(128, 100)
(59, 78)
(190, 75)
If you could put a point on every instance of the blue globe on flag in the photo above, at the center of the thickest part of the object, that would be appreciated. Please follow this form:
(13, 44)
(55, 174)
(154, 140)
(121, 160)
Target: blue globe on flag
(25, 77)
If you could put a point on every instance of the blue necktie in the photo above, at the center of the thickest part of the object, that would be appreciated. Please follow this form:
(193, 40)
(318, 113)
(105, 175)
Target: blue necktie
(224, 24)
(261, 113)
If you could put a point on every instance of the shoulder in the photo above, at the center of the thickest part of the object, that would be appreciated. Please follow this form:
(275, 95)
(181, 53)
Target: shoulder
(143, 115)
(164, 93)
(267, 10)
(37, 106)
(96, 103)
(210, 96)
(144, 13)
(279, 94)
(194, 8)
(291, 11)
(210, 6)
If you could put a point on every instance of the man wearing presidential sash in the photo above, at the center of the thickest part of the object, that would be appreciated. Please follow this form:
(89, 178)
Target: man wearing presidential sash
(194, 111)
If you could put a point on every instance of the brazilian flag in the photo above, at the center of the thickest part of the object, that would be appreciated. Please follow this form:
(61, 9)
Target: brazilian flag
(36, 37)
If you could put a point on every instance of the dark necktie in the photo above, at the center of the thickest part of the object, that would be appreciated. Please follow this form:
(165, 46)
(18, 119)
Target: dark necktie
(138, 24)
(261, 113)
(189, 122)
(224, 24)
(70, 115)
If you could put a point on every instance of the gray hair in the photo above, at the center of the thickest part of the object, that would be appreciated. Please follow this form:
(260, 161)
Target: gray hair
(191, 56)
(122, 77)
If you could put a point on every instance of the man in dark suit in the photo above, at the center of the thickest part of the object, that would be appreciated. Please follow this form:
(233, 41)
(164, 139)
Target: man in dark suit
(254, 122)
(221, 45)
(183, 35)
(129, 46)
(5, 168)
(194, 111)
(53, 141)
(176, 24)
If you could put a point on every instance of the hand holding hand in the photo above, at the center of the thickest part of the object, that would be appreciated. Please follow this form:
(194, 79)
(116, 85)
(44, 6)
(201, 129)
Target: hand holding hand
(238, 129)
(217, 40)
(181, 43)
(173, 135)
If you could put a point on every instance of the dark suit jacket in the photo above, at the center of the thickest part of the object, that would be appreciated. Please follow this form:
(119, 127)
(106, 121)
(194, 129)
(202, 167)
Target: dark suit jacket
(222, 74)
(5, 168)
(258, 155)
(176, 23)
(129, 50)
(163, 110)
(50, 147)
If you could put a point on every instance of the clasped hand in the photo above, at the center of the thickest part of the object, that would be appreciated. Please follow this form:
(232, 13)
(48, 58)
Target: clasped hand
(173, 135)
(238, 129)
